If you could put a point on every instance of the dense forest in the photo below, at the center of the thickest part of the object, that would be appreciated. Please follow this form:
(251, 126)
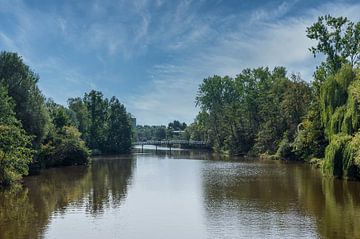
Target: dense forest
(269, 113)
(36, 132)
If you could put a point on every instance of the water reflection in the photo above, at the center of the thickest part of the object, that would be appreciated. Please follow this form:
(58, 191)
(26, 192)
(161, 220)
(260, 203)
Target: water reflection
(185, 194)
(110, 178)
(276, 200)
(26, 211)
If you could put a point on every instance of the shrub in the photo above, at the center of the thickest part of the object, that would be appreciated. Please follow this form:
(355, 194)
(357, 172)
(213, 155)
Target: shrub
(15, 154)
(64, 149)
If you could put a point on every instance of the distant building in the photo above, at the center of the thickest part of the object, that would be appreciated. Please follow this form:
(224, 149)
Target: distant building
(133, 121)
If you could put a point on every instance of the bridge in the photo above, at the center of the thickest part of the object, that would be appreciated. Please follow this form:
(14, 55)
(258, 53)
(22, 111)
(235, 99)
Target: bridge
(172, 143)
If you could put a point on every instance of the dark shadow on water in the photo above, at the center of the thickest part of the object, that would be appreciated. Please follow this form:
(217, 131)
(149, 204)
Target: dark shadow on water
(26, 210)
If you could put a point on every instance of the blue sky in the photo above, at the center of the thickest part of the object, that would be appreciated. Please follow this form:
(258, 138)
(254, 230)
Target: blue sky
(153, 54)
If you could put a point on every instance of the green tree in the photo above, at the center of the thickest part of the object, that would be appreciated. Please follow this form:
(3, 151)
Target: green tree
(98, 111)
(78, 106)
(15, 151)
(63, 145)
(60, 115)
(257, 112)
(160, 133)
(22, 87)
(338, 39)
(119, 128)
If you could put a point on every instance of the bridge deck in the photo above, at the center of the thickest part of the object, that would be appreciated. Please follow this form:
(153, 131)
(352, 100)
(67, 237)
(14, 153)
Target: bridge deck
(171, 142)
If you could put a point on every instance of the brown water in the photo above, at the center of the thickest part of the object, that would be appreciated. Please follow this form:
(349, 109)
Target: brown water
(183, 195)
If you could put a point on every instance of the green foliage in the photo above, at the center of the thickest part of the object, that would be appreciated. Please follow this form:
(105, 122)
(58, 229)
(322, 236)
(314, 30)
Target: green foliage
(60, 115)
(98, 111)
(49, 131)
(352, 116)
(15, 152)
(63, 145)
(197, 130)
(334, 155)
(285, 149)
(339, 99)
(64, 148)
(77, 105)
(104, 124)
(174, 130)
(336, 87)
(21, 83)
(310, 138)
(341, 121)
(119, 131)
(338, 39)
(251, 113)
(176, 125)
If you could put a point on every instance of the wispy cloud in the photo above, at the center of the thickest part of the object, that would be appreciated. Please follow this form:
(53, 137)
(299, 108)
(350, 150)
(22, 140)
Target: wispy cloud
(264, 40)
(153, 54)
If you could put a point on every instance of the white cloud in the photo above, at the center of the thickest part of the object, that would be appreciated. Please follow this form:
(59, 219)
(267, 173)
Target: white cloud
(194, 45)
(262, 41)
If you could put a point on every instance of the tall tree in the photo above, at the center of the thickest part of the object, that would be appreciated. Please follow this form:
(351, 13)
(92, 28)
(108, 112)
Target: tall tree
(78, 106)
(22, 87)
(98, 110)
(338, 39)
(15, 152)
(119, 128)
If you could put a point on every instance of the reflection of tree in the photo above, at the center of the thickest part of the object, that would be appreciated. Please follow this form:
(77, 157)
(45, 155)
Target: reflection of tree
(238, 193)
(335, 204)
(110, 178)
(25, 212)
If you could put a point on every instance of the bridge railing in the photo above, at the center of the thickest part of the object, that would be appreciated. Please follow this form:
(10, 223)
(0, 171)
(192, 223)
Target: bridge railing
(170, 142)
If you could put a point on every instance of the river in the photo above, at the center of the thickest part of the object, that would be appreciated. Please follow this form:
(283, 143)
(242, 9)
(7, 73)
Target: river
(188, 194)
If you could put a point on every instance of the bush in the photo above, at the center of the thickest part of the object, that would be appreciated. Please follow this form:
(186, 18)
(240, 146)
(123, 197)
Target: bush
(334, 155)
(285, 149)
(64, 149)
(15, 152)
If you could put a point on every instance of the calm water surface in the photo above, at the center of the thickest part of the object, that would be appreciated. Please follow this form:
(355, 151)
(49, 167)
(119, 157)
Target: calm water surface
(183, 195)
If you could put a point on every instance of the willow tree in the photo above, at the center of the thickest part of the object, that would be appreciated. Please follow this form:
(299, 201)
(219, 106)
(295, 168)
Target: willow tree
(340, 115)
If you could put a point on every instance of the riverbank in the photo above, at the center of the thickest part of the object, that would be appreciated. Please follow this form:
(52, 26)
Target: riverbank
(224, 198)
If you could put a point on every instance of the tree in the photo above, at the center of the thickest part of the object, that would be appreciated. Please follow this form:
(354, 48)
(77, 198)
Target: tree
(15, 151)
(64, 148)
(257, 112)
(60, 115)
(338, 39)
(214, 95)
(119, 128)
(160, 133)
(98, 111)
(78, 106)
(63, 145)
(21, 83)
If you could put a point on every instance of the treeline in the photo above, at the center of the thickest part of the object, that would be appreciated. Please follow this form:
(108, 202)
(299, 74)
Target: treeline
(174, 130)
(267, 112)
(36, 132)
(256, 112)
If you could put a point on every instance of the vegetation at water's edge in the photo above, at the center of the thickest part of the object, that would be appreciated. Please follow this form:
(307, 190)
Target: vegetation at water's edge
(36, 132)
(261, 111)
(267, 112)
